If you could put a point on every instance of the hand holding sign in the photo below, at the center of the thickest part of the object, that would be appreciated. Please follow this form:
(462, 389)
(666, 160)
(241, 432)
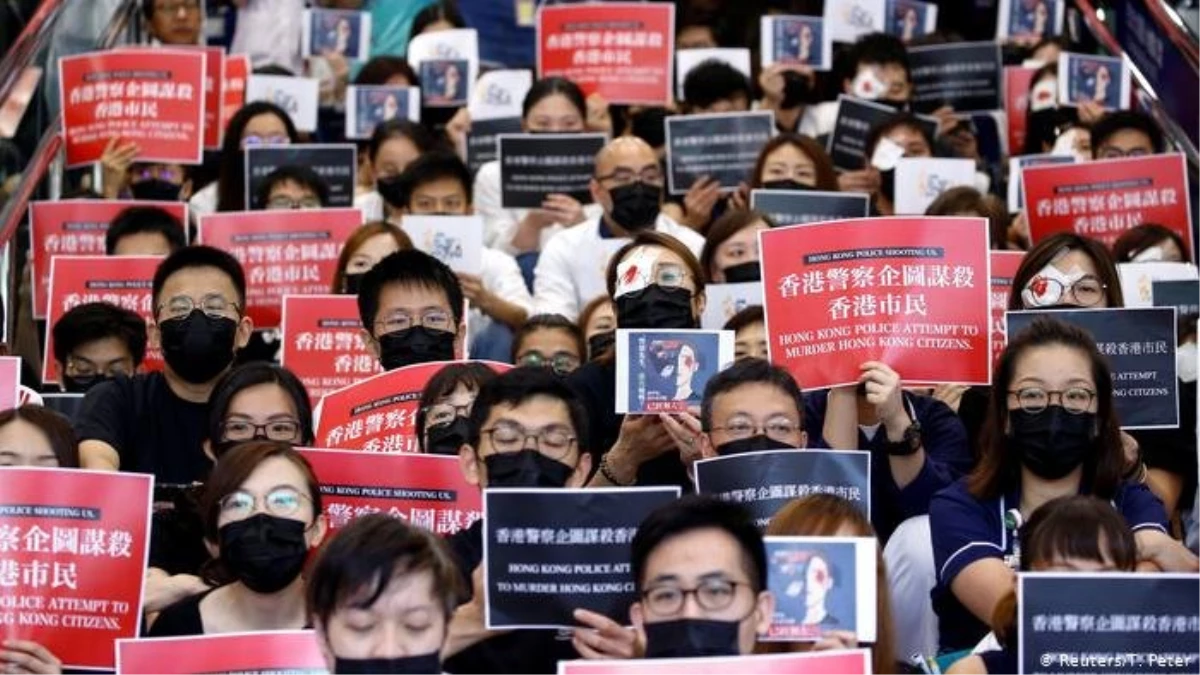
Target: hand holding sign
(603, 638)
(29, 657)
(117, 158)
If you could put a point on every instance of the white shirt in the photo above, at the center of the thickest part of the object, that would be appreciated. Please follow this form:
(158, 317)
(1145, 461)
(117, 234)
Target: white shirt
(371, 204)
(502, 277)
(203, 203)
(572, 268)
(500, 224)
(269, 32)
(819, 119)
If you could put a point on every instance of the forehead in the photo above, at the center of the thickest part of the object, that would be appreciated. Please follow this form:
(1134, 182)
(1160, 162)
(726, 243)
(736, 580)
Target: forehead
(444, 186)
(1128, 138)
(379, 244)
(753, 397)
(411, 297)
(198, 282)
(291, 187)
(1076, 258)
(788, 152)
(905, 134)
(275, 471)
(635, 156)
(695, 553)
(554, 105)
(537, 411)
(266, 398)
(557, 338)
(665, 256)
(265, 123)
(103, 350)
(748, 233)
(1053, 363)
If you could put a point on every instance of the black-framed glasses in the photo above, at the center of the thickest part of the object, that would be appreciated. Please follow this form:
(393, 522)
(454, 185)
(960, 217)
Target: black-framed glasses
(284, 203)
(444, 413)
(779, 428)
(1109, 152)
(651, 175)
(275, 430)
(81, 367)
(712, 595)
(1075, 400)
(435, 319)
(553, 441)
(212, 304)
(560, 362)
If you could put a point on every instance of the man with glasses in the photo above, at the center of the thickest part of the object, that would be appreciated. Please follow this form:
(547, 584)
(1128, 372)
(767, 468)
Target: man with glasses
(174, 22)
(700, 570)
(628, 184)
(156, 422)
(550, 341)
(1126, 133)
(95, 342)
(292, 187)
(411, 307)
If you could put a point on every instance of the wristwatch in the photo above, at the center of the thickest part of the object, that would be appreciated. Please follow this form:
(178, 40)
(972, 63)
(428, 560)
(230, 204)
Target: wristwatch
(909, 444)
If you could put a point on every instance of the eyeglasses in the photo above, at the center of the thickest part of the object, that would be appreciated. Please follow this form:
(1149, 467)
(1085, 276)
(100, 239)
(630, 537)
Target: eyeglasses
(255, 139)
(174, 7)
(282, 501)
(669, 275)
(80, 367)
(560, 362)
(1086, 290)
(711, 594)
(1075, 400)
(651, 175)
(444, 413)
(1109, 152)
(159, 172)
(436, 319)
(778, 428)
(282, 203)
(275, 430)
(213, 304)
(553, 441)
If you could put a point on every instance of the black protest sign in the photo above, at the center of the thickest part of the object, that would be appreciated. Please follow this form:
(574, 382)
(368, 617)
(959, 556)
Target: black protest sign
(848, 143)
(535, 165)
(481, 141)
(723, 146)
(548, 552)
(796, 207)
(1184, 296)
(965, 76)
(763, 482)
(336, 164)
(1108, 623)
(1139, 344)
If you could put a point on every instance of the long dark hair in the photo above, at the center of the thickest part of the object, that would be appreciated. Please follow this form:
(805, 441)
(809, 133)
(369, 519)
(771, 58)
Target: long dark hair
(231, 179)
(253, 374)
(1048, 249)
(999, 467)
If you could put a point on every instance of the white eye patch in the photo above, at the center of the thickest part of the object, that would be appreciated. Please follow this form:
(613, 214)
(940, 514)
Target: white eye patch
(636, 271)
(1042, 291)
(868, 85)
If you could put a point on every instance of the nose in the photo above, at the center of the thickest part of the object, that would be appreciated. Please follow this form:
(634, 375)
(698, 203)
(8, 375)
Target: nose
(691, 607)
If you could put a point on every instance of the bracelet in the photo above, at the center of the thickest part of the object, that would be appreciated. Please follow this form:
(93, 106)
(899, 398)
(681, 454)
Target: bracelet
(608, 474)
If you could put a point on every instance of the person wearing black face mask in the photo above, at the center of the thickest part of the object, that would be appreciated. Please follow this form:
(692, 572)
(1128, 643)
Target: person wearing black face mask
(261, 509)
(699, 566)
(123, 177)
(1053, 434)
(97, 341)
(527, 428)
(445, 405)
(730, 253)
(381, 595)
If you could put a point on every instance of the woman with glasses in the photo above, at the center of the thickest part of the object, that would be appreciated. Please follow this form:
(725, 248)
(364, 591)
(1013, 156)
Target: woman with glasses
(258, 401)
(1051, 432)
(257, 124)
(261, 511)
(446, 406)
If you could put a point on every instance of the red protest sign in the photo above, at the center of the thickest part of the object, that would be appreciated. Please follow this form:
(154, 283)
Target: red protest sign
(624, 51)
(282, 252)
(10, 381)
(152, 97)
(428, 491)
(290, 651)
(124, 281)
(379, 414)
(910, 292)
(75, 227)
(235, 70)
(1104, 198)
(834, 662)
(323, 342)
(1017, 81)
(73, 551)
(214, 83)
(1004, 268)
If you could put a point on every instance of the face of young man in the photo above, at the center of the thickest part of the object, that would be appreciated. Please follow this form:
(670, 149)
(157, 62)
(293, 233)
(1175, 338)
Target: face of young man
(753, 416)
(532, 444)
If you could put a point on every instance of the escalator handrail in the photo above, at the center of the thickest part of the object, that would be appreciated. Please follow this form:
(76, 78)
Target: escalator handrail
(31, 40)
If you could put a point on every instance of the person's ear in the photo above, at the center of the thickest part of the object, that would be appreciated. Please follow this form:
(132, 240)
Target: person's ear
(583, 469)
(765, 608)
(185, 190)
(208, 451)
(803, 439)
(153, 335)
(707, 449)
(469, 464)
(699, 300)
(244, 330)
(638, 619)
(371, 343)
(460, 340)
(214, 551)
(600, 195)
(316, 533)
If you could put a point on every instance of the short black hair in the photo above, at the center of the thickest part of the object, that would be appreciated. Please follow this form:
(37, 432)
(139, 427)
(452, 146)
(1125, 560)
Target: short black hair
(879, 48)
(303, 176)
(714, 80)
(903, 119)
(418, 134)
(443, 383)
(190, 257)
(442, 10)
(252, 374)
(549, 322)
(554, 86)
(1120, 120)
(518, 386)
(94, 321)
(433, 166)
(141, 220)
(384, 67)
(408, 267)
(749, 371)
(358, 564)
(748, 316)
(700, 512)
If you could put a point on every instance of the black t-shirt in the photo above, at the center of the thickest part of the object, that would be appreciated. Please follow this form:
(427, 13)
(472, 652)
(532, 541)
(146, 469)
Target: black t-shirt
(152, 429)
(180, 619)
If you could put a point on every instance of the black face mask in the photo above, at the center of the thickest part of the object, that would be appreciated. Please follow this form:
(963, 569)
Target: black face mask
(80, 385)
(1053, 442)
(352, 282)
(796, 91)
(648, 126)
(394, 191)
(403, 665)
(600, 343)
(525, 469)
(1043, 127)
(264, 552)
(887, 185)
(416, 344)
(656, 307)
(198, 347)
(688, 638)
(747, 271)
(898, 106)
(786, 184)
(446, 439)
(752, 444)
(636, 206)
(155, 190)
